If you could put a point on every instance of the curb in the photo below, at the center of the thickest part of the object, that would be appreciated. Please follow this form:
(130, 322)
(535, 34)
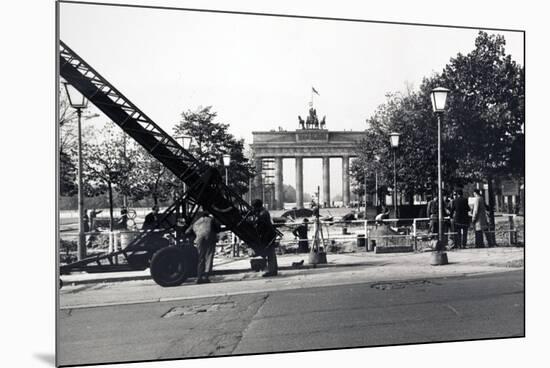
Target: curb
(122, 278)
(107, 280)
(511, 264)
(268, 289)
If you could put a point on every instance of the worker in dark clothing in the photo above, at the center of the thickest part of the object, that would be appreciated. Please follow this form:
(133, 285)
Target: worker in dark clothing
(151, 219)
(301, 233)
(315, 210)
(383, 215)
(85, 222)
(205, 229)
(264, 227)
(348, 217)
(156, 238)
(122, 222)
(92, 216)
(460, 218)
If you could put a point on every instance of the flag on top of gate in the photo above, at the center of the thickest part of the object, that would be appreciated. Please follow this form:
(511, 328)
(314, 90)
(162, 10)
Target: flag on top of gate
(315, 91)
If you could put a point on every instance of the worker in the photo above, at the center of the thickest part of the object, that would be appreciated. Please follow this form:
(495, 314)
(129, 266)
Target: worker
(301, 233)
(205, 229)
(151, 219)
(156, 238)
(92, 216)
(264, 227)
(383, 215)
(122, 223)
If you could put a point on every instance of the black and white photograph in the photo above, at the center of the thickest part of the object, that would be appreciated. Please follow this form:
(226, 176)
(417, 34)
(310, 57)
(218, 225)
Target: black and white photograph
(235, 183)
(239, 183)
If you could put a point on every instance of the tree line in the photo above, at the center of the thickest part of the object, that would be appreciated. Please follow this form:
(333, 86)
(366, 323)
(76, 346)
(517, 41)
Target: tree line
(482, 127)
(117, 167)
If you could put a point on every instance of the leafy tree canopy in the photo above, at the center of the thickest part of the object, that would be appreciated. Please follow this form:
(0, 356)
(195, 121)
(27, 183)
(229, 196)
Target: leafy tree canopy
(482, 127)
(211, 140)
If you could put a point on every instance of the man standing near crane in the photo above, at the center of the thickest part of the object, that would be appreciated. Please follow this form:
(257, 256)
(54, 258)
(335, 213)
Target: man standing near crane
(264, 227)
(205, 229)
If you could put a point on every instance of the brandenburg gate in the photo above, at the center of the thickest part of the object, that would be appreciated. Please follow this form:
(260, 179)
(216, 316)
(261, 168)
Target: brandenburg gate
(307, 142)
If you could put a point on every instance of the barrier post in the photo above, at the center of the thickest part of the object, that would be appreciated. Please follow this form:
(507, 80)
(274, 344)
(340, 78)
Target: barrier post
(366, 235)
(111, 242)
(513, 234)
(414, 235)
(233, 245)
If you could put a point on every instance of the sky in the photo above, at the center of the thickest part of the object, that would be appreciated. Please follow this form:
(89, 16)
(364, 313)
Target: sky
(257, 72)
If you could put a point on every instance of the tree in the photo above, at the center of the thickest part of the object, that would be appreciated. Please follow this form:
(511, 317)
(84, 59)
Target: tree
(67, 145)
(67, 148)
(67, 175)
(482, 130)
(486, 109)
(416, 156)
(105, 164)
(149, 178)
(211, 141)
(66, 123)
(486, 112)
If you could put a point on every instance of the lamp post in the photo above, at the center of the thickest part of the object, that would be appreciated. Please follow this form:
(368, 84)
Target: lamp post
(376, 200)
(365, 175)
(439, 98)
(226, 163)
(78, 102)
(394, 142)
(185, 141)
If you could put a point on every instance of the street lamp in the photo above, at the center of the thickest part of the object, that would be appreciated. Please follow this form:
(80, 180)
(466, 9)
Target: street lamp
(185, 141)
(226, 162)
(439, 98)
(78, 102)
(377, 159)
(365, 177)
(394, 142)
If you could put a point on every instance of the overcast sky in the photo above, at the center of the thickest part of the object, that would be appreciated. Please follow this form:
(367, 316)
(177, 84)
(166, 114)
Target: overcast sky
(257, 72)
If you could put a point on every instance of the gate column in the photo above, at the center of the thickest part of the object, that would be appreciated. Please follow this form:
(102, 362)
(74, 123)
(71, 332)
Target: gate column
(279, 200)
(345, 180)
(299, 182)
(257, 187)
(326, 181)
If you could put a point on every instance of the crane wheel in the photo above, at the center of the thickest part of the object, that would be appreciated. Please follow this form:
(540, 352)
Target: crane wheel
(168, 267)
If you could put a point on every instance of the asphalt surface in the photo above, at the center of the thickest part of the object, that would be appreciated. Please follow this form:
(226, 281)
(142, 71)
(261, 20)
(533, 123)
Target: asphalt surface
(346, 315)
(234, 277)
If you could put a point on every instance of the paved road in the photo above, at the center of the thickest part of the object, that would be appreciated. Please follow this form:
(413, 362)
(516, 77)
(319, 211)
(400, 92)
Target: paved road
(365, 314)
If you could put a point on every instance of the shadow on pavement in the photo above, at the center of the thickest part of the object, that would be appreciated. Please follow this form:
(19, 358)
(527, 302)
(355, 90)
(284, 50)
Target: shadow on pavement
(319, 267)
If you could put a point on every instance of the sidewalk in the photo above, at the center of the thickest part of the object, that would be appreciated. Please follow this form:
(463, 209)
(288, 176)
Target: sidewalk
(395, 266)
